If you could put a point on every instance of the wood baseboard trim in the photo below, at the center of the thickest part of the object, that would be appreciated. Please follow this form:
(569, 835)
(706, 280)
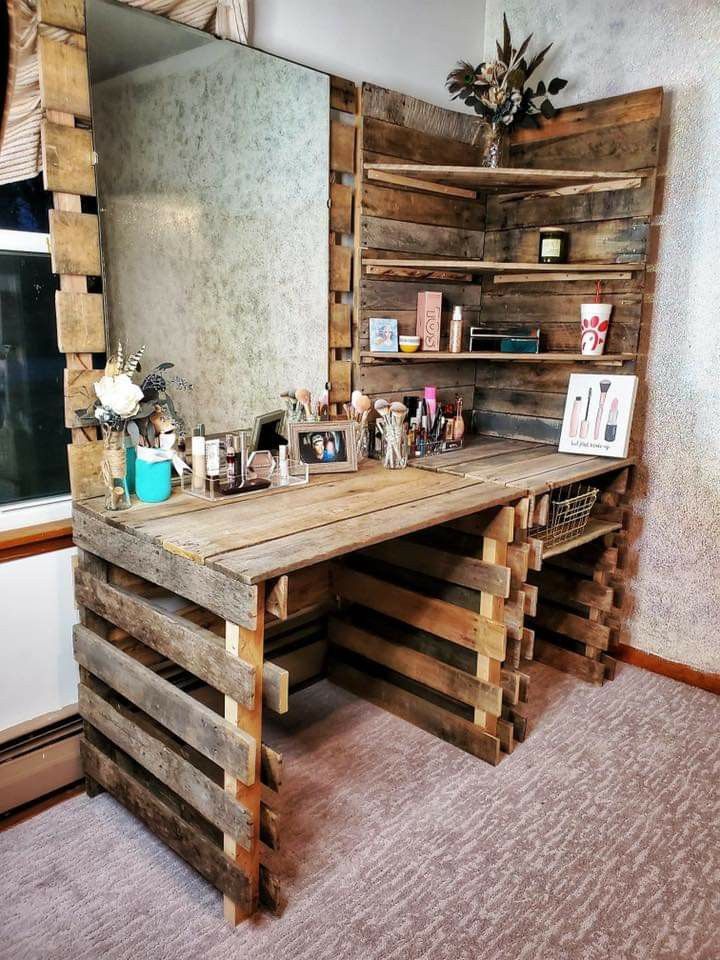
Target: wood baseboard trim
(38, 538)
(667, 668)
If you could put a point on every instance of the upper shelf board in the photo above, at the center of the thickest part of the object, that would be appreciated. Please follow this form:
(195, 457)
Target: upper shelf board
(495, 266)
(505, 179)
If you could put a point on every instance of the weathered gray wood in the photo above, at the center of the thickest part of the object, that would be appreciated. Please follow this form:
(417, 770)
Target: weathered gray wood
(593, 671)
(271, 767)
(192, 647)
(469, 572)
(404, 237)
(199, 726)
(400, 108)
(276, 687)
(197, 582)
(163, 758)
(519, 427)
(184, 839)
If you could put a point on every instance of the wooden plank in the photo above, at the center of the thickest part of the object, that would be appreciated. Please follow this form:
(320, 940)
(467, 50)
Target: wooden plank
(179, 835)
(340, 381)
(202, 728)
(443, 619)
(410, 112)
(592, 671)
(84, 462)
(270, 892)
(343, 95)
(340, 268)
(80, 322)
(342, 147)
(467, 571)
(378, 295)
(341, 208)
(449, 727)
(499, 525)
(570, 625)
(426, 186)
(79, 393)
(276, 687)
(269, 827)
(276, 598)
(562, 588)
(340, 334)
(248, 645)
(164, 759)
(501, 179)
(418, 666)
(199, 584)
(291, 552)
(69, 14)
(271, 767)
(67, 158)
(519, 427)
(602, 241)
(403, 237)
(74, 243)
(593, 531)
(408, 143)
(64, 83)
(195, 649)
(395, 204)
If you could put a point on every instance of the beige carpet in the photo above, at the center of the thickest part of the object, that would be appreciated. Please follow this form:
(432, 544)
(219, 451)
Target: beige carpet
(598, 839)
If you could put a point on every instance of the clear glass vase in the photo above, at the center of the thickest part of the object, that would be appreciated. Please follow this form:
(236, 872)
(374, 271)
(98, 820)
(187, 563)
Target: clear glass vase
(395, 447)
(114, 469)
(495, 145)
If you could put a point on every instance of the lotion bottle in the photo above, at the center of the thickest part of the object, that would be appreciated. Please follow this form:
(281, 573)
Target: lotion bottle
(198, 459)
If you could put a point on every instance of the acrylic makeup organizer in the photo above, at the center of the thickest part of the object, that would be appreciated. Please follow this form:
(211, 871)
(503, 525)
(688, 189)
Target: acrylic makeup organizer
(569, 514)
(297, 475)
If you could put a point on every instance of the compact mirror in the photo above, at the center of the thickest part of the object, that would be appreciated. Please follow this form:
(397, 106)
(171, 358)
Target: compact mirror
(213, 193)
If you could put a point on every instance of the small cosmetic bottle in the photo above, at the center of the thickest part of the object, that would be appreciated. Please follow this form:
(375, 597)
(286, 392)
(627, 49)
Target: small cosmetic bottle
(283, 467)
(230, 459)
(212, 459)
(456, 331)
(198, 459)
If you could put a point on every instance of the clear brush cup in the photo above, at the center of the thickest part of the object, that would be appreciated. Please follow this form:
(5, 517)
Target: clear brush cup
(395, 446)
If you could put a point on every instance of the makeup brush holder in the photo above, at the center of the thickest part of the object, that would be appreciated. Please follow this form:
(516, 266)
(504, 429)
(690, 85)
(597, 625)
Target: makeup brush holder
(395, 449)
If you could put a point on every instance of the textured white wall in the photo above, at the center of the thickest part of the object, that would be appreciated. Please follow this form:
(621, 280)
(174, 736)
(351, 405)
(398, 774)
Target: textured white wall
(407, 45)
(608, 49)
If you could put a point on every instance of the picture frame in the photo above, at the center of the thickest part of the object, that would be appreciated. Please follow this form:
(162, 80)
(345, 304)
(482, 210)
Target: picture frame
(266, 428)
(383, 335)
(598, 414)
(326, 446)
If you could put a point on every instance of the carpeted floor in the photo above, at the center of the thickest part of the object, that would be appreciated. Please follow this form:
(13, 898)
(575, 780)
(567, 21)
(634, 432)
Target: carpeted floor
(598, 839)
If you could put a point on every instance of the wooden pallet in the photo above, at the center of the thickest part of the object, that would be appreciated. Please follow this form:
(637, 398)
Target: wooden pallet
(432, 628)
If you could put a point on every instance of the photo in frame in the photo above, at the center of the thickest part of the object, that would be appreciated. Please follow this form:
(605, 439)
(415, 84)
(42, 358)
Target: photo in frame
(598, 414)
(325, 446)
(383, 335)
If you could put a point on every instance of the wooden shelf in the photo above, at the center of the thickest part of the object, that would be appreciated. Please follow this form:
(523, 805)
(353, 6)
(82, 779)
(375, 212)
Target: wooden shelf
(593, 531)
(502, 179)
(494, 266)
(425, 356)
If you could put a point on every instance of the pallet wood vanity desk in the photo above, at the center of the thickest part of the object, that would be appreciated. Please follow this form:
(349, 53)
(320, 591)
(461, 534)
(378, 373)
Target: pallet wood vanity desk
(179, 605)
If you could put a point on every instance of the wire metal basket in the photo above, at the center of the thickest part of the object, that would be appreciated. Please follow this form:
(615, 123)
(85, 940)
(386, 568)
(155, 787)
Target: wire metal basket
(569, 514)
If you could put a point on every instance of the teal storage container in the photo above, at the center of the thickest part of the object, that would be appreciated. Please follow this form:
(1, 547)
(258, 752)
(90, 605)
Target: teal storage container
(152, 480)
(130, 461)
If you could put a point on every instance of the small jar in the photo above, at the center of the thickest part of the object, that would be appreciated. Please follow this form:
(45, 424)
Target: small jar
(456, 331)
(553, 245)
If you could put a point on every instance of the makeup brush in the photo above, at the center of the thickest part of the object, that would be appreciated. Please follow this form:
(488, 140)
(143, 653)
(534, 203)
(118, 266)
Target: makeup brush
(362, 404)
(604, 387)
(585, 425)
(304, 397)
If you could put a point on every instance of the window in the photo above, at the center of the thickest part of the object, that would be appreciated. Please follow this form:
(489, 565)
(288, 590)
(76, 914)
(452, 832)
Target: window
(33, 462)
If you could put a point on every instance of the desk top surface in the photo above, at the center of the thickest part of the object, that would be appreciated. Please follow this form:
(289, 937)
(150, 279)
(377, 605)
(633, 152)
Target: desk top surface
(274, 532)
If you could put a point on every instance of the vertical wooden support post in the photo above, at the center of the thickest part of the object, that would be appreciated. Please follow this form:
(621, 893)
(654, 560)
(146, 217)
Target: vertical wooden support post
(98, 568)
(488, 669)
(247, 644)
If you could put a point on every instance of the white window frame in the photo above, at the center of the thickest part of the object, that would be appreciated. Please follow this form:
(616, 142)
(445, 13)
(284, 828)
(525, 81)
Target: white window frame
(25, 513)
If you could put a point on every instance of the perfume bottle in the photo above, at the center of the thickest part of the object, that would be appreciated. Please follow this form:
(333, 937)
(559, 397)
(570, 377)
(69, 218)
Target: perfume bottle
(230, 459)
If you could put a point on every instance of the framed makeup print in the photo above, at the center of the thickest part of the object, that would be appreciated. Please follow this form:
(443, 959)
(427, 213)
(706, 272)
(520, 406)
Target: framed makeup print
(325, 446)
(598, 414)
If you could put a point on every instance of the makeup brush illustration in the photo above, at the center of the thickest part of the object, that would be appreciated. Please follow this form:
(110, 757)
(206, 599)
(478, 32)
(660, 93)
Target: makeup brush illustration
(604, 387)
(585, 425)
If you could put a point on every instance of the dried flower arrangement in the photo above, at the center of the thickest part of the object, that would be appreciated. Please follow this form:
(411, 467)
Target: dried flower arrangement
(499, 93)
(144, 410)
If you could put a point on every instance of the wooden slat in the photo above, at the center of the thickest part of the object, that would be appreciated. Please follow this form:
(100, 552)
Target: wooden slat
(507, 252)
(340, 268)
(195, 649)
(592, 671)
(570, 625)
(408, 143)
(140, 556)
(340, 380)
(271, 767)
(179, 835)
(461, 733)
(343, 95)
(340, 325)
(212, 736)
(74, 243)
(564, 589)
(276, 687)
(342, 147)
(395, 204)
(269, 827)
(341, 208)
(64, 82)
(79, 393)
(69, 14)
(599, 240)
(80, 322)
(445, 620)
(164, 759)
(418, 666)
(466, 571)
(247, 644)
(502, 179)
(499, 525)
(84, 462)
(417, 238)
(67, 158)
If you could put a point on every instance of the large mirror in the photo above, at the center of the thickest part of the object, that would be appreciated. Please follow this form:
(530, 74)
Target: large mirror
(212, 178)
